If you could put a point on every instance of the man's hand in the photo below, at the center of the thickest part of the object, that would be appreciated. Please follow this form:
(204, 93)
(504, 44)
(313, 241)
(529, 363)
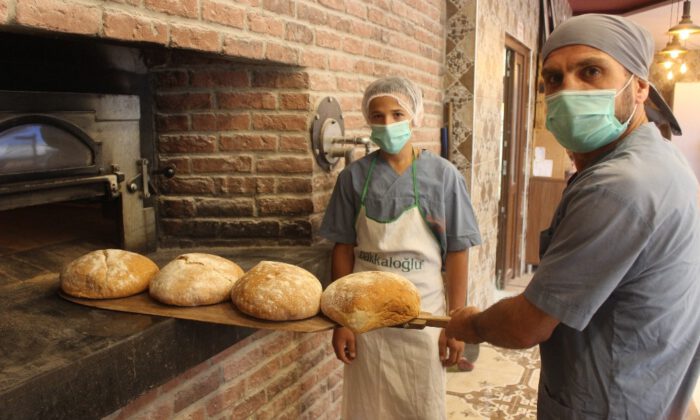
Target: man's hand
(450, 349)
(344, 344)
(461, 325)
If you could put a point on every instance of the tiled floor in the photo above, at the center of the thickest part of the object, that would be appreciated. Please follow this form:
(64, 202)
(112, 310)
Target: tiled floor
(503, 384)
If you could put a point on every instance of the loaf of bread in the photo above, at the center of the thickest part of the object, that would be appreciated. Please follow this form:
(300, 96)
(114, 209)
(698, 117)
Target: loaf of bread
(107, 273)
(369, 300)
(195, 279)
(278, 292)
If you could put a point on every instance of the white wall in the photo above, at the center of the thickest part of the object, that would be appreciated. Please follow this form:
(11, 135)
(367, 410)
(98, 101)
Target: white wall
(686, 107)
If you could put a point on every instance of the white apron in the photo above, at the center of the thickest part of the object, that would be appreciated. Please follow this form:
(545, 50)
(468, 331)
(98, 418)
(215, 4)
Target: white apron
(397, 373)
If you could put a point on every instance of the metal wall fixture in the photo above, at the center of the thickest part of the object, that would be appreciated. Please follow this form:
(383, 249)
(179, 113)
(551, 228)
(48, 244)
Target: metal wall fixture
(328, 139)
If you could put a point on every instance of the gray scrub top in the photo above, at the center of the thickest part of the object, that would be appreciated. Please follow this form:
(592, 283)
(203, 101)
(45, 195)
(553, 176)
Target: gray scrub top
(444, 200)
(622, 274)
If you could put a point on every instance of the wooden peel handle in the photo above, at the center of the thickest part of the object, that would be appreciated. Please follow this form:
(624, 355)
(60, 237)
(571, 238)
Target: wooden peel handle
(426, 320)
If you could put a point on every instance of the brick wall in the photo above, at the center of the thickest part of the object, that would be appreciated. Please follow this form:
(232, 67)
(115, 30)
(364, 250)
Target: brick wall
(266, 376)
(235, 121)
(235, 85)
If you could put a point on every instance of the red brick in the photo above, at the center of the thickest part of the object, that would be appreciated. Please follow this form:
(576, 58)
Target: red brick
(171, 79)
(216, 122)
(341, 63)
(295, 101)
(224, 399)
(186, 143)
(238, 185)
(170, 123)
(294, 185)
(57, 15)
(281, 404)
(249, 405)
(248, 142)
(279, 206)
(250, 229)
(350, 84)
(181, 164)
(310, 58)
(355, 8)
(127, 27)
(266, 24)
(294, 144)
(189, 185)
(199, 39)
(299, 33)
(251, 100)
(213, 207)
(295, 229)
(261, 375)
(285, 165)
(311, 14)
(279, 122)
(322, 81)
(353, 45)
(367, 31)
(268, 79)
(220, 78)
(334, 4)
(183, 101)
(239, 47)
(176, 208)
(364, 67)
(339, 23)
(285, 7)
(282, 53)
(223, 13)
(222, 164)
(265, 185)
(197, 389)
(328, 40)
(281, 381)
(377, 16)
(186, 8)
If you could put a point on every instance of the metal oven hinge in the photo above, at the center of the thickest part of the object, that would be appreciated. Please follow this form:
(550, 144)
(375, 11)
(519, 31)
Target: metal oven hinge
(142, 181)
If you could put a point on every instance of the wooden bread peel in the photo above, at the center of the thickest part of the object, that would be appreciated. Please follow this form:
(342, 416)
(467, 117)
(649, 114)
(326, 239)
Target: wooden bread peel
(226, 313)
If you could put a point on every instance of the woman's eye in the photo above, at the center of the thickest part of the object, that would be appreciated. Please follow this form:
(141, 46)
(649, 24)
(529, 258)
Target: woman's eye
(398, 115)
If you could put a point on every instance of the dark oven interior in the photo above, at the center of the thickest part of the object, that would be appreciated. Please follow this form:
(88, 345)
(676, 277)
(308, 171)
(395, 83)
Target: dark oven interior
(76, 149)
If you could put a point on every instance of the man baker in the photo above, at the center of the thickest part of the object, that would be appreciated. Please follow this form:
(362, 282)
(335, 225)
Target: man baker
(614, 301)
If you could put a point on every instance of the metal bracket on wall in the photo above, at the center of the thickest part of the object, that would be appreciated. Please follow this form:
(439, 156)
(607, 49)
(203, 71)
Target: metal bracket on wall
(328, 124)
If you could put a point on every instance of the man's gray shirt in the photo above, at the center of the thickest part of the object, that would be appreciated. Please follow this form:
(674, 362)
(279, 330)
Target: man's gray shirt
(622, 273)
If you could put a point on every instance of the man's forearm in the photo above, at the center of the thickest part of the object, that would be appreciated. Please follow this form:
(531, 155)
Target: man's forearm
(513, 323)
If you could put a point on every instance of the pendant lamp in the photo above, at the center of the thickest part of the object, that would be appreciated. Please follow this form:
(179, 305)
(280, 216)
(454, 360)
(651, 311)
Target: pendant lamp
(685, 26)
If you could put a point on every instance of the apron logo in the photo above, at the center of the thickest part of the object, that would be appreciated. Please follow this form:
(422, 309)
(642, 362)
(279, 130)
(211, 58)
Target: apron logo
(404, 264)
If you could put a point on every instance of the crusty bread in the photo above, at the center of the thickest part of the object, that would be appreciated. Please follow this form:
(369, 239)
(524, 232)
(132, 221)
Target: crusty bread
(369, 300)
(107, 273)
(195, 279)
(278, 292)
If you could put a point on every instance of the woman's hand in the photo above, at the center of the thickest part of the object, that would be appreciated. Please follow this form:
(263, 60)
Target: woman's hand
(450, 349)
(344, 344)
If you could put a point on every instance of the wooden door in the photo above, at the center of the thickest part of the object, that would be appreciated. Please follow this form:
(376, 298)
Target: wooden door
(515, 127)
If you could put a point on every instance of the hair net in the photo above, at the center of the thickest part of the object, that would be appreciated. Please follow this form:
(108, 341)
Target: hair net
(406, 93)
(628, 43)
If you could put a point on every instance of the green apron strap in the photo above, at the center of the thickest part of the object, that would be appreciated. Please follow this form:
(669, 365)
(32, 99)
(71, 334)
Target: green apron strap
(369, 175)
(416, 199)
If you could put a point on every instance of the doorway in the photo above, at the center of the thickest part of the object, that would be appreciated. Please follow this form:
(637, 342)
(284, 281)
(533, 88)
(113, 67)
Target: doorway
(516, 98)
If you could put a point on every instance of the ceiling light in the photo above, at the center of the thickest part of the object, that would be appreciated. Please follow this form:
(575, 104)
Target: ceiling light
(673, 48)
(685, 27)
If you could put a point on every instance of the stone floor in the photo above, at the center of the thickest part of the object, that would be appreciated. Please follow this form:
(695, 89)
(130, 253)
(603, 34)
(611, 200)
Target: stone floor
(503, 384)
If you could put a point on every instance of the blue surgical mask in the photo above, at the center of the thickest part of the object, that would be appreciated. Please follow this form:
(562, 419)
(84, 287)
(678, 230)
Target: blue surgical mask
(584, 120)
(392, 137)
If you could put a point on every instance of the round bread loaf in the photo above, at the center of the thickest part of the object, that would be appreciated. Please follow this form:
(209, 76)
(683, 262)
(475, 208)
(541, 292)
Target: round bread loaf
(107, 273)
(369, 300)
(278, 292)
(195, 279)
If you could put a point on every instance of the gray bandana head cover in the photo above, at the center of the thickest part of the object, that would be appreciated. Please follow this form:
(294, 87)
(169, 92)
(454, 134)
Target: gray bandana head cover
(625, 41)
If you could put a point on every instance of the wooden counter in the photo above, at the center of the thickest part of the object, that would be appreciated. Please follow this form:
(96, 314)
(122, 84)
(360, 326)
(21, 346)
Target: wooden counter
(543, 197)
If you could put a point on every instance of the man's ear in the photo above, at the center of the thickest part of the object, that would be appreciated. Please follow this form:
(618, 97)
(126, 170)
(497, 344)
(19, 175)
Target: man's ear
(641, 91)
